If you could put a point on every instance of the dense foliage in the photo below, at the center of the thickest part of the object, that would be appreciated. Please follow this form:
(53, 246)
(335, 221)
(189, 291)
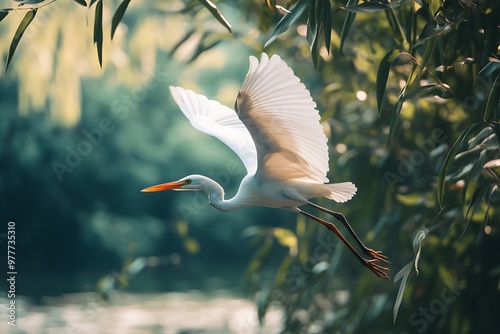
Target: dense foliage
(409, 95)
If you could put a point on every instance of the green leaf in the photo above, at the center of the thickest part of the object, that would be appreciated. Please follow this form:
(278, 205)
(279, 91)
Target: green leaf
(118, 16)
(496, 127)
(288, 20)
(349, 19)
(327, 23)
(434, 6)
(426, 57)
(395, 118)
(312, 24)
(30, 15)
(3, 15)
(367, 7)
(404, 273)
(82, 2)
(449, 158)
(493, 99)
(29, 2)
(98, 30)
(216, 13)
(489, 69)
(429, 90)
(427, 31)
(417, 245)
(383, 74)
(475, 201)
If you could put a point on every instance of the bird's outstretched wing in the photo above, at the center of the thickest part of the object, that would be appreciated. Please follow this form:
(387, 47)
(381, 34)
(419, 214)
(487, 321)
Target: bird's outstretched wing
(219, 121)
(282, 119)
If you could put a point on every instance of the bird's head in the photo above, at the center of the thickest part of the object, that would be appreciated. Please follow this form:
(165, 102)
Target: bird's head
(188, 183)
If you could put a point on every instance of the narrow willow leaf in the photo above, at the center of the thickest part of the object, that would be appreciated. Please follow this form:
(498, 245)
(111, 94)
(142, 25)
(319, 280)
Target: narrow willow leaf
(495, 126)
(314, 51)
(417, 245)
(98, 30)
(263, 301)
(93, 2)
(427, 31)
(216, 13)
(327, 23)
(118, 16)
(395, 118)
(404, 273)
(82, 2)
(312, 24)
(383, 74)
(3, 15)
(317, 14)
(473, 205)
(19, 33)
(489, 69)
(426, 57)
(488, 203)
(428, 91)
(287, 20)
(29, 2)
(434, 6)
(349, 19)
(367, 7)
(475, 200)
(449, 158)
(493, 99)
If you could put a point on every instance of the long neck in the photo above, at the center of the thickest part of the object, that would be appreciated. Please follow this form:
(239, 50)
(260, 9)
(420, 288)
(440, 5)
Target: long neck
(216, 197)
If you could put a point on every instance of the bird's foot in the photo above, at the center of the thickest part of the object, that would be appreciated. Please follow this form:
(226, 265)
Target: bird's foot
(375, 268)
(376, 255)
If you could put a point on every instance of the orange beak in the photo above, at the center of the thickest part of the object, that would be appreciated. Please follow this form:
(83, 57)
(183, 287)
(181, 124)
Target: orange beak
(164, 186)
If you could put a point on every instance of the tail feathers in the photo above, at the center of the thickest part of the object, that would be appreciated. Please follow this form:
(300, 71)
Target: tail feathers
(341, 192)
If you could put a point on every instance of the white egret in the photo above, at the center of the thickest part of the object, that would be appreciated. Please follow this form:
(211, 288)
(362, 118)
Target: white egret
(277, 134)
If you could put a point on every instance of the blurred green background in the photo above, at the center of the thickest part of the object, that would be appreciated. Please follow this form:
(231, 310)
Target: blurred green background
(408, 95)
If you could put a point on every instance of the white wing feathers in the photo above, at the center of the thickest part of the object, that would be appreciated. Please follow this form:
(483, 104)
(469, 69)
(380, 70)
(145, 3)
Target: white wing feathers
(276, 131)
(341, 192)
(219, 121)
(280, 115)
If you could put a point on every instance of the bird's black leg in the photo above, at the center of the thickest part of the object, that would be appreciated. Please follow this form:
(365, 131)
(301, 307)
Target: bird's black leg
(340, 217)
(370, 264)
